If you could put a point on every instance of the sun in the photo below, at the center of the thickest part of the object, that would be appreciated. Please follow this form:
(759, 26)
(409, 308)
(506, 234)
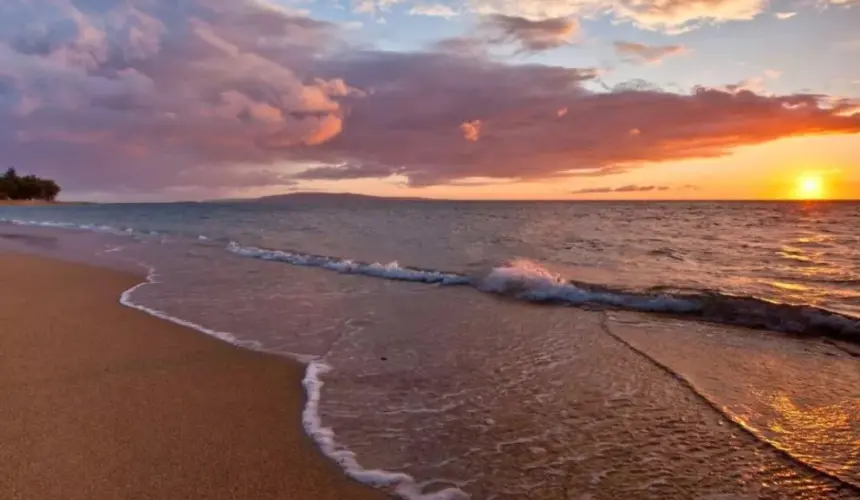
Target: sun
(810, 186)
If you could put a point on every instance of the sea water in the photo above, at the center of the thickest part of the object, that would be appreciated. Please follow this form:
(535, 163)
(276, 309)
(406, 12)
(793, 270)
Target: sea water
(524, 350)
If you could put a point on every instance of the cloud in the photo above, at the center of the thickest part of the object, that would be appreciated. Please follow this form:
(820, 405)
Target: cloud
(639, 53)
(631, 188)
(145, 96)
(372, 7)
(433, 10)
(785, 15)
(407, 124)
(772, 73)
(530, 36)
(461, 46)
(523, 34)
(471, 130)
(664, 15)
(160, 89)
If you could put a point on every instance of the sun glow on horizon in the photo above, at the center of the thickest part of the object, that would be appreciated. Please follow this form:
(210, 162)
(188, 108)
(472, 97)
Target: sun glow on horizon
(810, 186)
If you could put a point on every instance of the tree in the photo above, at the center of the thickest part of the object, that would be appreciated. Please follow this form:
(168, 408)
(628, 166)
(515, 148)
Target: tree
(29, 187)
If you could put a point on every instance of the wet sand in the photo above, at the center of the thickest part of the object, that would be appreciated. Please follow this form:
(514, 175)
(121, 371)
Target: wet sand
(100, 401)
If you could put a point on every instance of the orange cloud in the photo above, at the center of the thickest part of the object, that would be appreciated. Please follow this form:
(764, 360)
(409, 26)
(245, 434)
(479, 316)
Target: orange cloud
(772, 73)
(471, 130)
(632, 188)
(638, 53)
(404, 127)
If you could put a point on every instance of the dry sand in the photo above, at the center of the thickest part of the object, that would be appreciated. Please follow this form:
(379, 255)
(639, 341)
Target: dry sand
(100, 401)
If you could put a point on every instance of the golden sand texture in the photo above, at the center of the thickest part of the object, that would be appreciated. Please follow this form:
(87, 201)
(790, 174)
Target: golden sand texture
(100, 401)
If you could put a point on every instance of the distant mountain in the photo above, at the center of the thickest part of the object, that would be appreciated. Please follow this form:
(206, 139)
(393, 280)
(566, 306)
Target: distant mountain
(311, 198)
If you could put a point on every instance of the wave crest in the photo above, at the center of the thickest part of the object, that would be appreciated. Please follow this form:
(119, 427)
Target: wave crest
(391, 271)
(526, 280)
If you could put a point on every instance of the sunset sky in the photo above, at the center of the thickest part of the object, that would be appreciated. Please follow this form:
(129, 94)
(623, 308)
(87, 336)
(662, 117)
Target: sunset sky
(529, 99)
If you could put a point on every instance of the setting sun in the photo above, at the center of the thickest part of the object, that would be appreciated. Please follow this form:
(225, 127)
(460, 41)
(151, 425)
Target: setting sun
(809, 187)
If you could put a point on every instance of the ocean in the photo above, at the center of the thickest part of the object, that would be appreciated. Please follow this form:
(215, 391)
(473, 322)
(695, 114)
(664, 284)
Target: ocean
(505, 350)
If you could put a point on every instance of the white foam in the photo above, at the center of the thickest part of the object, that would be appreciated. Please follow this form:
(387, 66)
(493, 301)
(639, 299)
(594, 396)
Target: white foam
(529, 281)
(125, 299)
(391, 271)
(404, 485)
(98, 228)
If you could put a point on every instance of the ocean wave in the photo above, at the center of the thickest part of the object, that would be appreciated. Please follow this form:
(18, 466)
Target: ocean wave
(65, 225)
(526, 280)
(391, 271)
(97, 228)
(529, 281)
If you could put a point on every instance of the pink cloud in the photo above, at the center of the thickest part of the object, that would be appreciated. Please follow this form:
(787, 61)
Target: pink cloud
(631, 188)
(167, 88)
(471, 130)
(433, 10)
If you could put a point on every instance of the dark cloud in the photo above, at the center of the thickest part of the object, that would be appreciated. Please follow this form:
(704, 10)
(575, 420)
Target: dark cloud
(631, 188)
(525, 35)
(529, 35)
(639, 53)
(151, 96)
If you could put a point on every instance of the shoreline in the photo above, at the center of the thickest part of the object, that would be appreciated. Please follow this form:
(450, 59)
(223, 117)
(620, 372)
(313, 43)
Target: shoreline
(40, 203)
(107, 401)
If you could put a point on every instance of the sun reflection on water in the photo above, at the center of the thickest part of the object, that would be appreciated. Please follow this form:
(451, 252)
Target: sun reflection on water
(803, 430)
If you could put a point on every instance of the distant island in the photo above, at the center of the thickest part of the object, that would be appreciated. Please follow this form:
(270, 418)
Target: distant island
(15, 188)
(312, 197)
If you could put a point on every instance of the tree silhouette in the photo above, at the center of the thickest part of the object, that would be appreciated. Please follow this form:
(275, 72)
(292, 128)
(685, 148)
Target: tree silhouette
(29, 187)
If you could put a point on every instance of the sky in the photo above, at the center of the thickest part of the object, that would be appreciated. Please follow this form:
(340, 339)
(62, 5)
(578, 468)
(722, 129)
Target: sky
(161, 100)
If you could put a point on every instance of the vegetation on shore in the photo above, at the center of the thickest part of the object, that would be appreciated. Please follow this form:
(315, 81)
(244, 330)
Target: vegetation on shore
(27, 188)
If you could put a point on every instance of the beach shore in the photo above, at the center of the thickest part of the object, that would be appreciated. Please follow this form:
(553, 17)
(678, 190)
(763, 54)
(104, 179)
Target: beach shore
(40, 203)
(100, 401)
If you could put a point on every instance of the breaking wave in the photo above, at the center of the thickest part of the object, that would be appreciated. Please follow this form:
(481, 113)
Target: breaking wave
(526, 280)
(391, 271)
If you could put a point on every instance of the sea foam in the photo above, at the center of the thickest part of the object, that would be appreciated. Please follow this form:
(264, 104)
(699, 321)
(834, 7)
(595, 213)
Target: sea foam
(529, 281)
(392, 271)
(403, 484)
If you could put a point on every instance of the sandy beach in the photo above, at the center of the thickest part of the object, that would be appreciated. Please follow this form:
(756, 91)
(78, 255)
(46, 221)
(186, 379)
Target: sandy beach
(100, 401)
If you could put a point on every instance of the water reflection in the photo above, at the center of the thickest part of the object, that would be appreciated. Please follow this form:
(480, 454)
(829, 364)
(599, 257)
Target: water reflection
(806, 429)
